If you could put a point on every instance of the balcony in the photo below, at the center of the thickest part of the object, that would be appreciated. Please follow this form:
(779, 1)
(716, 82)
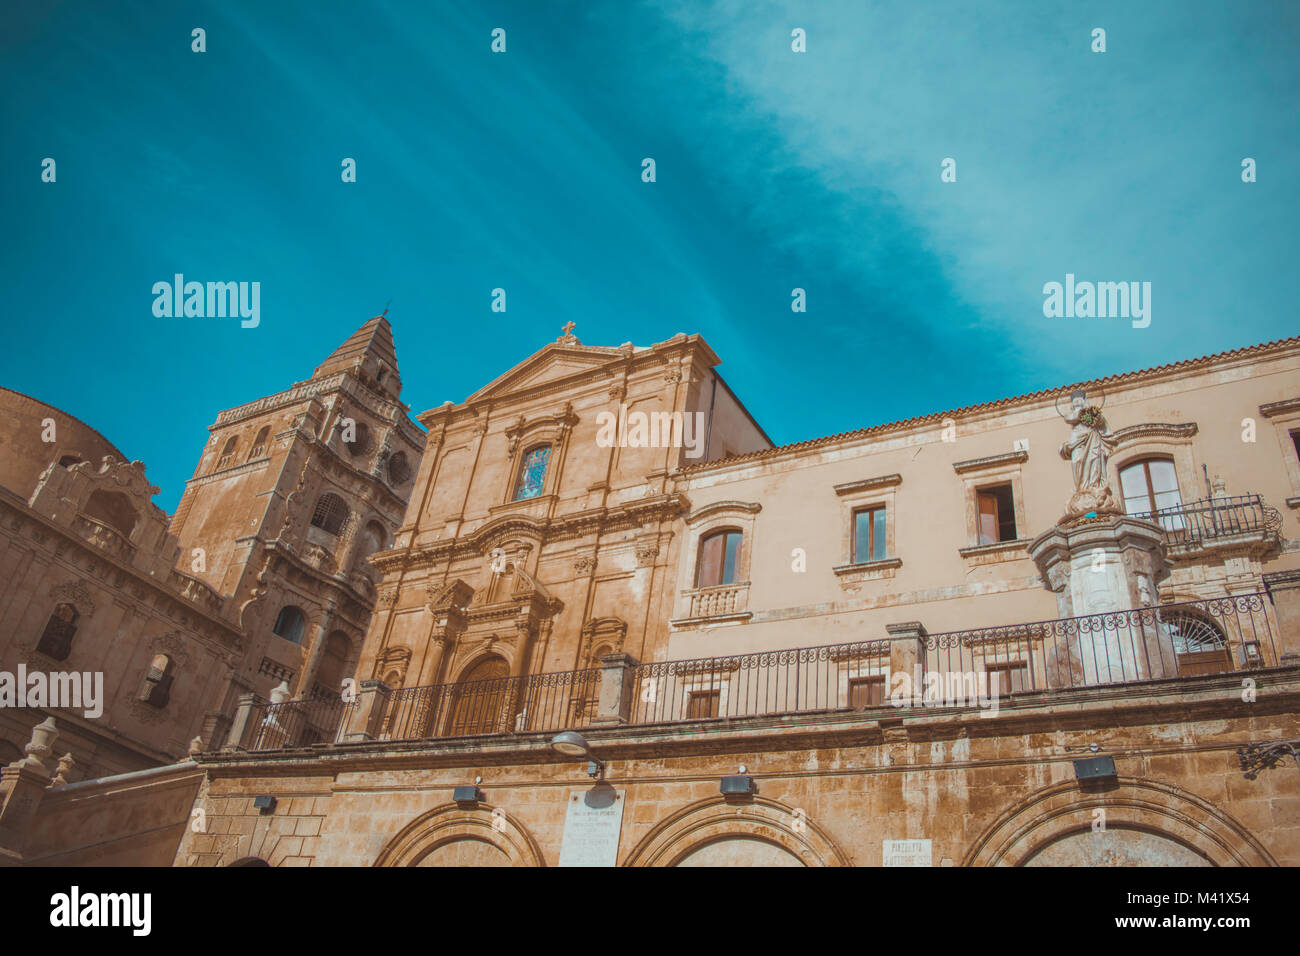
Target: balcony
(910, 668)
(715, 604)
(1211, 524)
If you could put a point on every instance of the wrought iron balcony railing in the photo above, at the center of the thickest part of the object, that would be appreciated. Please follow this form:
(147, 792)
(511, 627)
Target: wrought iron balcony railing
(1198, 523)
(955, 668)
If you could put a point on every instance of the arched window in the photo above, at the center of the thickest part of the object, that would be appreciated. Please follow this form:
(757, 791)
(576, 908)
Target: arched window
(333, 665)
(156, 688)
(360, 443)
(113, 509)
(290, 623)
(259, 443)
(331, 513)
(398, 470)
(373, 538)
(1199, 643)
(56, 639)
(719, 557)
(532, 472)
(227, 452)
(1149, 485)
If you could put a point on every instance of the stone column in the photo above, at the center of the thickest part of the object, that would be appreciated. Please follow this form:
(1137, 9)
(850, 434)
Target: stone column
(313, 658)
(1102, 566)
(617, 676)
(239, 727)
(515, 701)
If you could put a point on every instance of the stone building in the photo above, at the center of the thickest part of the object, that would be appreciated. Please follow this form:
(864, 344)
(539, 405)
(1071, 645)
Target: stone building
(1102, 580)
(291, 495)
(260, 577)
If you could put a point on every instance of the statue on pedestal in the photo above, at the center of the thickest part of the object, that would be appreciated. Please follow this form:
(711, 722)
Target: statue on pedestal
(1088, 449)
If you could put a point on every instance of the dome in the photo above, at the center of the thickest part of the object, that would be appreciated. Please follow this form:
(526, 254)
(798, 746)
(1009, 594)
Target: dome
(24, 456)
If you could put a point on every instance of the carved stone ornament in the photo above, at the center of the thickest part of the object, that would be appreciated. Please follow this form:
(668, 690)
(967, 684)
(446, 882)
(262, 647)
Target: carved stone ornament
(76, 593)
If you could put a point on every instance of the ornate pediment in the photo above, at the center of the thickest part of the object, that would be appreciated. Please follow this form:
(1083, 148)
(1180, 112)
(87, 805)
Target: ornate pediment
(452, 595)
(555, 363)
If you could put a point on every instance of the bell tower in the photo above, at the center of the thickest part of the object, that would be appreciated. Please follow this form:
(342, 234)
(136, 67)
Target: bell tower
(292, 494)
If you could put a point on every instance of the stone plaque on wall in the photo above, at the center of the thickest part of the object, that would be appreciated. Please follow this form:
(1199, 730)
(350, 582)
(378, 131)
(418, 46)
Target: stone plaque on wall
(908, 853)
(591, 827)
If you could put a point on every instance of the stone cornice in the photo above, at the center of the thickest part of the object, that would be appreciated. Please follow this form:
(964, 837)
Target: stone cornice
(990, 462)
(630, 515)
(344, 382)
(230, 472)
(868, 484)
(1102, 706)
(704, 512)
(1043, 397)
(1179, 431)
(1284, 407)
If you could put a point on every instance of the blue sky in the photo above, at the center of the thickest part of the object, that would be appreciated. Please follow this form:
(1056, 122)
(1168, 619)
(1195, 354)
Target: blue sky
(522, 170)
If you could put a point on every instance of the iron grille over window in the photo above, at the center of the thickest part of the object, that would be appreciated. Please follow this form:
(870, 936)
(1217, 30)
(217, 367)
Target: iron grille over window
(56, 639)
(330, 514)
(360, 443)
(398, 470)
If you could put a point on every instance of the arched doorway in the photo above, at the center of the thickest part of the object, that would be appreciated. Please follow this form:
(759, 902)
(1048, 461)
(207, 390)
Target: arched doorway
(1116, 846)
(478, 700)
(466, 851)
(1138, 822)
(740, 851)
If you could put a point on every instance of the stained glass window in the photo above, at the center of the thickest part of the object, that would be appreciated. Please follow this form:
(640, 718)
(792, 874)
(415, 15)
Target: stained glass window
(532, 473)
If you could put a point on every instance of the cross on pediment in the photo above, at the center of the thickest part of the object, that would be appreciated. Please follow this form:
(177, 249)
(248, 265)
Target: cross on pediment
(568, 328)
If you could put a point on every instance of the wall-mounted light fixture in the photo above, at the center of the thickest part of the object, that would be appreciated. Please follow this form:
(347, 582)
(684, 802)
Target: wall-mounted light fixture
(1095, 770)
(738, 786)
(573, 744)
(264, 803)
(466, 797)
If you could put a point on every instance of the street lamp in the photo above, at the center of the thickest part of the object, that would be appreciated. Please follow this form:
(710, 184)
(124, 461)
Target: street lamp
(573, 744)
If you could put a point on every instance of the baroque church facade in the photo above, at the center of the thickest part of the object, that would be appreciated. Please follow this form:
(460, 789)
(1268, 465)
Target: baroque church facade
(738, 631)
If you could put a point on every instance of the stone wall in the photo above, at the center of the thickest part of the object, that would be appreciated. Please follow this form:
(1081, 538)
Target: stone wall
(984, 788)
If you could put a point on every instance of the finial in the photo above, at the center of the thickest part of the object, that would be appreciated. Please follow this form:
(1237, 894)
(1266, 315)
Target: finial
(568, 328)
(386, 305)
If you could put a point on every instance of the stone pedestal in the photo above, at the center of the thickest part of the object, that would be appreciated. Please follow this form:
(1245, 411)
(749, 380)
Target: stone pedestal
(617, 675)
(1099, 567)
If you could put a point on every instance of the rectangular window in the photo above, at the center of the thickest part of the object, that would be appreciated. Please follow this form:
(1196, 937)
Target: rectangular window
(703, 703)
(1007, 678)
(719, 553)
(996, 513)
(867, 692)
(1295, 440)
(869, 534)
